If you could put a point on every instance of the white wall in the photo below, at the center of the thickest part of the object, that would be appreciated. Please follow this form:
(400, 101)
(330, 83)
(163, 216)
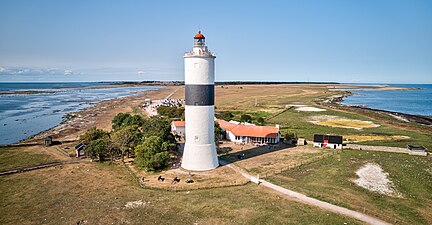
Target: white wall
(199, 70)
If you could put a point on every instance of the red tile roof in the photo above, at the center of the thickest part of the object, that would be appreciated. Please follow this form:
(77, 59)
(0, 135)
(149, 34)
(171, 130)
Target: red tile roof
(179, 123)
(249, 130)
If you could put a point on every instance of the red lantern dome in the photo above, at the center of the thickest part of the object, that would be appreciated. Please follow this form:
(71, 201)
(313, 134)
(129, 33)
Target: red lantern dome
(199, 36)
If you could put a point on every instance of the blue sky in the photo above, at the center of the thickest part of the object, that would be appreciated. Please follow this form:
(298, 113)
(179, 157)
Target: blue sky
(343, 41)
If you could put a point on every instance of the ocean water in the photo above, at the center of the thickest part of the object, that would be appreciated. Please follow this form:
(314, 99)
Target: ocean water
(24, 115)
(416, 102)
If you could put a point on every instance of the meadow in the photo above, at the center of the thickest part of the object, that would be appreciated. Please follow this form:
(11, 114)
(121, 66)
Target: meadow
(98, 193)
(331, 180)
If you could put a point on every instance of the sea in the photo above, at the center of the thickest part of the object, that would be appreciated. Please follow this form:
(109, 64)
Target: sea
(415, 102)
(24, 115)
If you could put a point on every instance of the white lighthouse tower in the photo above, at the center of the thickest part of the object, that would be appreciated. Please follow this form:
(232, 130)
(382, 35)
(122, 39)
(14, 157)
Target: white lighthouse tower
(200, 150)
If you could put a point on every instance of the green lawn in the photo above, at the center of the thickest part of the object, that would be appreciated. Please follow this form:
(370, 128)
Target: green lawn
(12, 157)
(97, 193)
(331, 180)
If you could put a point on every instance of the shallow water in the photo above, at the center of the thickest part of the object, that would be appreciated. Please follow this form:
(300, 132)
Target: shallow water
(24, 115)
(416, 102)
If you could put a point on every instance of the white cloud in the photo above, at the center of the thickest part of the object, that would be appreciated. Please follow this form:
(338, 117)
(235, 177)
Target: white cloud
(23, 71)
(141, 72)
(68, 72)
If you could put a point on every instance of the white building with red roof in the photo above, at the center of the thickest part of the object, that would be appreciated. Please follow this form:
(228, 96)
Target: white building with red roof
(178, 128)
(251, 134)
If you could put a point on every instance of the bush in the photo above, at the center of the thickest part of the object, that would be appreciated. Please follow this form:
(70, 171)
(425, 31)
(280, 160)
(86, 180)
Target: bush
(171, 111)
(245, 118)
(290, 136)
(227, 116)
(150, 155)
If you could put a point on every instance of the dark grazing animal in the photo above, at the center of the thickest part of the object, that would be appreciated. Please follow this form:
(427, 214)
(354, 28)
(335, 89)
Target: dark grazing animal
(175, 180)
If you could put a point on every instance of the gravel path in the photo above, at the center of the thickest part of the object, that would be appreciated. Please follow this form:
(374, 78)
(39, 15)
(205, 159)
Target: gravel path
(311, 201)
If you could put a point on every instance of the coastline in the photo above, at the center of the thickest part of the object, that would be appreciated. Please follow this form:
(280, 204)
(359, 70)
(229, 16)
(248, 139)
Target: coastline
(56, 90)
(98, 115)
(404, 117)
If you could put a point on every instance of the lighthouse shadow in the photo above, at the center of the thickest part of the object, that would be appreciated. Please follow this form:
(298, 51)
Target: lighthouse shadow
(236, 156)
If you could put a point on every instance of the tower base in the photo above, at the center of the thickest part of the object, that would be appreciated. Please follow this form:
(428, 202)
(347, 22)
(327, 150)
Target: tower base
(199, 157)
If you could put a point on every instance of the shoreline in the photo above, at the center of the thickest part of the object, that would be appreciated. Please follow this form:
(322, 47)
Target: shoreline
(61, 89)
(97, 114)
(100, 114)
(405, 117)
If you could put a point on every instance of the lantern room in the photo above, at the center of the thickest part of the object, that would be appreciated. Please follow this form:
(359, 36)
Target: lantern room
(199, 39)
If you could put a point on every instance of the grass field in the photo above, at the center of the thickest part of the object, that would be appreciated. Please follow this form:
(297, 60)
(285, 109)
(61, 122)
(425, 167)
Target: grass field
(271, 101)
(98, 193)
(299, 122)
(331, 179)
(12, 157)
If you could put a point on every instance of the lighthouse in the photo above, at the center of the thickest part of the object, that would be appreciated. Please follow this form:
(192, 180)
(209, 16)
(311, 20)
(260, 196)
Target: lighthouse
(200, 150)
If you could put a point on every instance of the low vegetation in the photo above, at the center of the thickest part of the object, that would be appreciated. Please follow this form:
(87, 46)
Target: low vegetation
(98, 193)
(171, 112)
(332, 180)
(12, 157)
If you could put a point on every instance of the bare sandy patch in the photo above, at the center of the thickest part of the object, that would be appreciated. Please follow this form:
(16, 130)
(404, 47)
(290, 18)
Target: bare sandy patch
(136, 204)
(336, 121)
(373, 178)
(310, 109)
(362, 138)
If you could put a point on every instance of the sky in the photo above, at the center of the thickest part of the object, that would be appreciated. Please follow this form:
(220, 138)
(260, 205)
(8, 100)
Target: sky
(369, 41)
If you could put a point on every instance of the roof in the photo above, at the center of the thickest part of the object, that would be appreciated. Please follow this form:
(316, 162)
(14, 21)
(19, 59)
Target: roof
(179, 123)
(249, 130)
(48, 138)
(199, 36)
(416, 148)
(80, 146)
(332, 139)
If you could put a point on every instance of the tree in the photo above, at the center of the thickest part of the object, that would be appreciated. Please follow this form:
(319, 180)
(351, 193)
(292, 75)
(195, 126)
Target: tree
(126, 138)
(219, 133)
(160, 127)
(150, 155)
(98, 149)
(126, 119)
(245, 118)
(260, 121)
(93, 134)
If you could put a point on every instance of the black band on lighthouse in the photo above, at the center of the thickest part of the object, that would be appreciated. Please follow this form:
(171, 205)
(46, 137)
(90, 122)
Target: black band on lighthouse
(199, 94)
